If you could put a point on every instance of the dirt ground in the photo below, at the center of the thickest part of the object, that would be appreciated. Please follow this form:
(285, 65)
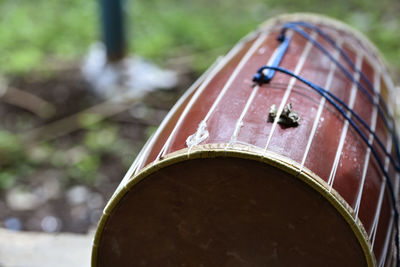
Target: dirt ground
(62, 184)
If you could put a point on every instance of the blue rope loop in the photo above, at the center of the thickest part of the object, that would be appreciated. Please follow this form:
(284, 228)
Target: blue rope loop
(261, 77)
(390, 127)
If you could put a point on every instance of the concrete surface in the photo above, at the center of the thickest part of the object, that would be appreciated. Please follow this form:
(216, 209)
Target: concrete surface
(29, 249)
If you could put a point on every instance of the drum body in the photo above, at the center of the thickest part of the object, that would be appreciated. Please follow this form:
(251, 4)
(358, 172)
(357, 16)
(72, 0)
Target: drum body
(222, 184)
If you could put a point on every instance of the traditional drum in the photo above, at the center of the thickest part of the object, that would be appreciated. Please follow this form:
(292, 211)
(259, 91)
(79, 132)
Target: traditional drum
(284, 153)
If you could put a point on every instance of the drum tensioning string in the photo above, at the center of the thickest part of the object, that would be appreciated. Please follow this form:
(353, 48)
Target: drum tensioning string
(355, 69)
(341, 102)
(266, 78)
(342, 53)
(261, 78)
(324, 93)
(293, 26)
(391, 128)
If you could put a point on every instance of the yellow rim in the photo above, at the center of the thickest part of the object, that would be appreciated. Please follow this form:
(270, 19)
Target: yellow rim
(251, 153)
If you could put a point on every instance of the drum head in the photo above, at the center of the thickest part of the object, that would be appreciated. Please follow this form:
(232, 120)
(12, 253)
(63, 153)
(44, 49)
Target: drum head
(225, 211)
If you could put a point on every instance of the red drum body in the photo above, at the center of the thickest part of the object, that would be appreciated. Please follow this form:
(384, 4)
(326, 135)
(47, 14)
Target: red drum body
(223, 182)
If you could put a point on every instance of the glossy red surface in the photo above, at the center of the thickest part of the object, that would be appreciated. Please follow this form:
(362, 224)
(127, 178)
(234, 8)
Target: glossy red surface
(347, 172)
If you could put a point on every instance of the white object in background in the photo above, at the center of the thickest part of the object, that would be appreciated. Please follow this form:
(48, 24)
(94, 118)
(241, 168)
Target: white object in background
(130, 77)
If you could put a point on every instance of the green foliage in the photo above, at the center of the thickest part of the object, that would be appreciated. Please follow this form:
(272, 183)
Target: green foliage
(150, 131)
(163, 29)
(14, 159)
(89, 120)
(102, 139)
(7, 179)
(10, 148)
(80, 162)
(33, 32)
(39, 153)
(85, 169)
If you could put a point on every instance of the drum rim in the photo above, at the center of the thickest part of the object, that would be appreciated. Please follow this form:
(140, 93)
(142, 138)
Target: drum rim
(248, 152)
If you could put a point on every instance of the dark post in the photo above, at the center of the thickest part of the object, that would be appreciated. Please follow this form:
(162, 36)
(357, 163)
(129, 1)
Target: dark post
(113, 29)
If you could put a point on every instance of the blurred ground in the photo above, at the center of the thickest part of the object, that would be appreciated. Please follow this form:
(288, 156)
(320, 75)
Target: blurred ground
(62, 184)
(44, 250)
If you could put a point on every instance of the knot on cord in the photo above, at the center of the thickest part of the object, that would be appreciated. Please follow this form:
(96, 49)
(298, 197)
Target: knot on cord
(260, 77)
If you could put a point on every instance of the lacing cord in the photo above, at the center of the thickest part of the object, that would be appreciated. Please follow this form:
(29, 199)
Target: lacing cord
(266, 73)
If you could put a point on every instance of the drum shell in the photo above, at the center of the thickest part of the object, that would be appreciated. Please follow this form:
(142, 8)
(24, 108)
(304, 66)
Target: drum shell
(236, 112)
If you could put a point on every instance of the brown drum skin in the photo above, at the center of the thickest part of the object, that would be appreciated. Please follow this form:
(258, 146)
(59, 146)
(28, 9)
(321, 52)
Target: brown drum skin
(220, 185)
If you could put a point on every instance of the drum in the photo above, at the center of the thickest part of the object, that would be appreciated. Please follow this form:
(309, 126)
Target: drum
(284, 153)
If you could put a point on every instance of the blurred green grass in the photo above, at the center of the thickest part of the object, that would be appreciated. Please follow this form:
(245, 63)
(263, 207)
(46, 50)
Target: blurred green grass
(34, 33)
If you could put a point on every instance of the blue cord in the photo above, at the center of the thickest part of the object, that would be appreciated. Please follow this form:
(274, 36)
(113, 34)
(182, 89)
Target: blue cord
(359, 85)
(259, 78)
(392, 129)
(324, 93)
(281, 50)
